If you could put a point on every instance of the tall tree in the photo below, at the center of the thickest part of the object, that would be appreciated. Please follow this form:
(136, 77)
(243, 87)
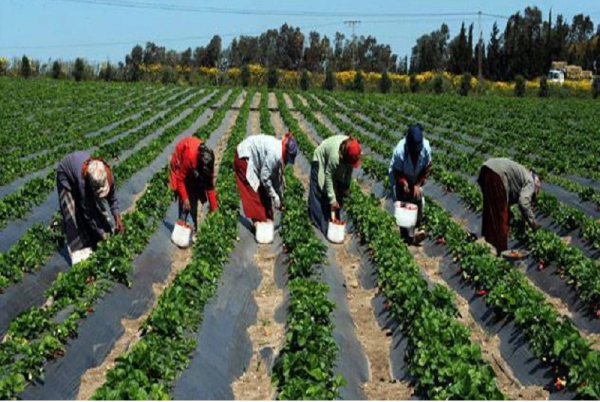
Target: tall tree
(79, 69)
(429, 54)
(25, 67)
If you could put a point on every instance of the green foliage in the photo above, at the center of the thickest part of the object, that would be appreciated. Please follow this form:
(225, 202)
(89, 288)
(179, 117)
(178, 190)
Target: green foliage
(56, 70)
(25, 67)
(543, 93)
(385, 84)
(438, 84)
(79, 69)
(414, 84)
(329, 81)
(245, 76)
(520, 85)
(304, 80)
(465, 84)
(596, 87)
(272, 77)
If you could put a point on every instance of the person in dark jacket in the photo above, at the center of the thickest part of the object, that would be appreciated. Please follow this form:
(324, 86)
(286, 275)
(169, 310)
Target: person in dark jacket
(409, 167)
(84, 184)
(504, 183)
(191, 177)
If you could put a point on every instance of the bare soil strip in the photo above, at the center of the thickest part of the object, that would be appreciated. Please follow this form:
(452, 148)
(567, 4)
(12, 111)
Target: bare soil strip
(96, 377)
(255, 383)
(373, 339)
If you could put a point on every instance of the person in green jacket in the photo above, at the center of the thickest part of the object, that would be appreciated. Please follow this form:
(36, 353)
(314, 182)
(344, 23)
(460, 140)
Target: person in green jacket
(330, 174)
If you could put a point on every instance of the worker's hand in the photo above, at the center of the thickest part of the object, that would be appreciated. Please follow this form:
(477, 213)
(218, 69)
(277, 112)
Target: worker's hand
(104, 236)
(335, 206)
(119, 227)
(186, 206)
(346, 192)
(535, 226)
(277, 202)
(417, 193)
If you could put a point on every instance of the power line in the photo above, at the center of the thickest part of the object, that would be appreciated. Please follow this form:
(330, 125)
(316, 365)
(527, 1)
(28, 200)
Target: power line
(284, 13)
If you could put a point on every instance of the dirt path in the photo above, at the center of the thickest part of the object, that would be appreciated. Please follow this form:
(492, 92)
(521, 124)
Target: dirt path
(255, 115)
(94, 378)
(374, 341)
(255, 383)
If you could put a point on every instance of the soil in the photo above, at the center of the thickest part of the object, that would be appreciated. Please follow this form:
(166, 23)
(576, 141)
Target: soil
(374, 341)
(96, 377)
(272, 102)
(255, 383)
(255, 116)
(490, 344)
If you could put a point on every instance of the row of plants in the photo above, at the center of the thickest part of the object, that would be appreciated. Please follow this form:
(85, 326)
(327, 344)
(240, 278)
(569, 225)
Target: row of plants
(18, 259)
(35, 336)
(553, 340)
(545, 245)
(61, 126)
(18, 167)
(442, 361)
(38, 119)
(150, 368)
(305, 366)
(484, 143)
(16, 205)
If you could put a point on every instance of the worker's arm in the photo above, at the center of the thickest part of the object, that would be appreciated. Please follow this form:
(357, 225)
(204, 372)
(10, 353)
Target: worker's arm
(329, 187)
(267, 172)
(525, 204)
(424, 173)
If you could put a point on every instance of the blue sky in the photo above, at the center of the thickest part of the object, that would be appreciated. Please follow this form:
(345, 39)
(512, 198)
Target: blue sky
(66, 29)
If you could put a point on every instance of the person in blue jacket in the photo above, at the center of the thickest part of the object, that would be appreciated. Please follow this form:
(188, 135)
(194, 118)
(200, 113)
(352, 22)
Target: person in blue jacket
(409, 167)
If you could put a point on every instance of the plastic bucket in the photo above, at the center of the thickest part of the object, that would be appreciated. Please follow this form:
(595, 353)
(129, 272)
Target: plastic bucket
(406, 214)
(336, 232)
(182, 234)
(80, 255)
(265, 232)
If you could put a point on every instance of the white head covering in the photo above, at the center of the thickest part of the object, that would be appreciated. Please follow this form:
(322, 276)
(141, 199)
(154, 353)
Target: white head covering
(98, 177)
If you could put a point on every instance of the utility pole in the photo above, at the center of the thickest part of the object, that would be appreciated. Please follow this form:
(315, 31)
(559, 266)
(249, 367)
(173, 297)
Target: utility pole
(352, 24)
(480, 50)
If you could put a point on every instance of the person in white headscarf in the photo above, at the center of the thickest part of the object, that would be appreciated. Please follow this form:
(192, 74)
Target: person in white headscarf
(83, 183)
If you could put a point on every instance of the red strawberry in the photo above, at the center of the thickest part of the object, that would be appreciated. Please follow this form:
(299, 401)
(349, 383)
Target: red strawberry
(387, 305)
(89, 310)
(89, 280)
(597, 313)
(481, 292)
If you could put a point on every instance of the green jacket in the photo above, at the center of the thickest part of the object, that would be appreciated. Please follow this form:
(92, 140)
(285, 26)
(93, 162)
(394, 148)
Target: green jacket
(333, 175)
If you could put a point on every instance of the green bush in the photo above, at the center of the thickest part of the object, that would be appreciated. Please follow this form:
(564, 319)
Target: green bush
(465, 84)
(245, 75)
(304, 80)
(596, 87)
(329, 82)
(438, 84)
(385, 83)
(25, 67)
(520, 86)
(272, 77)
(414, 84)
(359, 82)
(543, 87)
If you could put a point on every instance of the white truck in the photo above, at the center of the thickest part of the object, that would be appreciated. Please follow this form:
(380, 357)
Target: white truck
(556, 76)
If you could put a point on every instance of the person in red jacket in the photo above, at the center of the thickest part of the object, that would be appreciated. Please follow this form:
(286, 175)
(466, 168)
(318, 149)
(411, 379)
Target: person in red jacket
(191, 177)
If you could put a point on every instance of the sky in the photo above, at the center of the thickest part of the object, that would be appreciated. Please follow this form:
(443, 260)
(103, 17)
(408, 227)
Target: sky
(100, 30)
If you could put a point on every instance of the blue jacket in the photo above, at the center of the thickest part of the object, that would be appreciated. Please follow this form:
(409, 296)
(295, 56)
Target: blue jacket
(401, 166)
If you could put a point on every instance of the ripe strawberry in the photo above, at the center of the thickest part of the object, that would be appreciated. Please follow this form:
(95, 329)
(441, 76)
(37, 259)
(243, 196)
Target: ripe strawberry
(89, 280)
(481, 292)
(387, 305)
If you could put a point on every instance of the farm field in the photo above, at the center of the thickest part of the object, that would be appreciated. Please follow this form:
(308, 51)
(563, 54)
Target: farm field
(301, 318)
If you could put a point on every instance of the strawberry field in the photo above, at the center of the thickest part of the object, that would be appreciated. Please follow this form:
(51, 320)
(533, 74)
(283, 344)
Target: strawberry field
(301, 318)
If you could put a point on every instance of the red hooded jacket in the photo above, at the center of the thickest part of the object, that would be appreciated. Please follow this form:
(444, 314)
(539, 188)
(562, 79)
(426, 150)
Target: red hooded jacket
(183, 163)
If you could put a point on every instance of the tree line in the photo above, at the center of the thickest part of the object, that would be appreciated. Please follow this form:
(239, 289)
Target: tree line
(527, 46)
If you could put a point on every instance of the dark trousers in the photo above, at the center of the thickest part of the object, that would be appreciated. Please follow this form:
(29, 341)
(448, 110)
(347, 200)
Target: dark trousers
(319, 208)
(494, 225)
(195, 193)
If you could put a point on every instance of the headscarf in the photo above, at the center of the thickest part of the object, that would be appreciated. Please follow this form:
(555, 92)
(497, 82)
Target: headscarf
(98, 178)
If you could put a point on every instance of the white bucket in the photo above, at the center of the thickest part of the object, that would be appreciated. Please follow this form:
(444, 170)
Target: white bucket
(336, 232)
(80, 255)
(182, 234)
(406, 214)
(265, 232)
